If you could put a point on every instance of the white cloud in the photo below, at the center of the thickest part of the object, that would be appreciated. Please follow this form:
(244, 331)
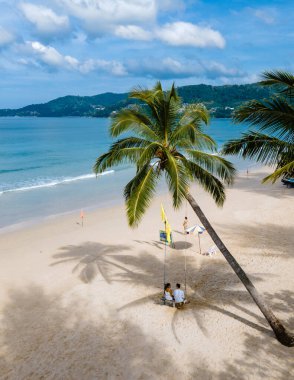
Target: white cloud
(187, 34)
(132, 32)
(168, 68)
(45, 20)
(101, 15)
(112, 67)
(5, 37)
(171, 5)
(215, 70)
(177, 34)
(127, 19)
(42, 55)
(163, 68)
(50, 56)
(268, 16)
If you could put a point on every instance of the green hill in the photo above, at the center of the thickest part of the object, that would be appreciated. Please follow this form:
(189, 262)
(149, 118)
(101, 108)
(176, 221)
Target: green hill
(221, 100)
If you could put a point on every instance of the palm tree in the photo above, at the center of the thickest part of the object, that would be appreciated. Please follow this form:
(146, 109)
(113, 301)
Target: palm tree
(273, 143)
(169, 140)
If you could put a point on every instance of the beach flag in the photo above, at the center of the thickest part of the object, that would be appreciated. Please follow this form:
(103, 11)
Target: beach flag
(82, 217)
(168, 232)
(167, 225)
(163, 216)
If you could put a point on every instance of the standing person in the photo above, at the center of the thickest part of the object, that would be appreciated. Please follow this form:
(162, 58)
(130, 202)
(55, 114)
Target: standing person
(179, 296)
(185, 225)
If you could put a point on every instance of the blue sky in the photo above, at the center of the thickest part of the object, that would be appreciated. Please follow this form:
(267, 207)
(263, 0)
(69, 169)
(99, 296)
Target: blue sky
(85, 47)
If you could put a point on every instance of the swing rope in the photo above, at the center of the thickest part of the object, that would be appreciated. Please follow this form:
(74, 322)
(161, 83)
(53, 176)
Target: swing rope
(164, 261)
(185, 252)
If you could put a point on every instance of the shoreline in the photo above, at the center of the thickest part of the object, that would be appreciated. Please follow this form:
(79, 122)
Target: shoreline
(108, 204)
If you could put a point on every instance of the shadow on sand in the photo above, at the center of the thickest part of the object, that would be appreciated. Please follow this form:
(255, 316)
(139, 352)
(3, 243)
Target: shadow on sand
(212, 286)
(277, 191)
(44, 339)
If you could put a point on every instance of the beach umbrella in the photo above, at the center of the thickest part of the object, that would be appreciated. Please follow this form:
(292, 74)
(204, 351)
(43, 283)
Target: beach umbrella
(199, 229)
(190, 229)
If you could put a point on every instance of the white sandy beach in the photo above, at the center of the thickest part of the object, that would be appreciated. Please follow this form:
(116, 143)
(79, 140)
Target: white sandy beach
(83, 302)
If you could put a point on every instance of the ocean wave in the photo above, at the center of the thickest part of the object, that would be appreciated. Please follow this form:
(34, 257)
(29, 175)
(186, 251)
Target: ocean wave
(4, 171)
(55, 182)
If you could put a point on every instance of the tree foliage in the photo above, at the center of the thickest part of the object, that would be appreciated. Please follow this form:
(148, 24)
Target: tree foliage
(272, 141)
(167, 140)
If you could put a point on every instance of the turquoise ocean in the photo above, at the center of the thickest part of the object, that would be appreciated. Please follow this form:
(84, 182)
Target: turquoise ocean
(46, 166)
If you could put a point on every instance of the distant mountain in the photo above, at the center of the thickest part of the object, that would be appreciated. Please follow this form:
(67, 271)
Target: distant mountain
(221, 100)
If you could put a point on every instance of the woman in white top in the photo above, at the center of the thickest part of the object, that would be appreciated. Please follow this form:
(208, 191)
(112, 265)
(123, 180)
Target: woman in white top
(168, 292)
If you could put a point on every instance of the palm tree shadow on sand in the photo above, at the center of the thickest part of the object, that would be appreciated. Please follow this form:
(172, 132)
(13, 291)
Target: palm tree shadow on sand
(92, 258)
(213, 290)
(45, 338)
(212, 286)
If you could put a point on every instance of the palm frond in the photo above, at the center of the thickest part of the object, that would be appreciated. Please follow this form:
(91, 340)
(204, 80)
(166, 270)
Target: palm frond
(195, 114)
(147, 97)
(214, 164)
(148, 154)
(173, 115)
(167, 105)
(260, 147)
(172, 94)
(125, 150)
(282, 81)
(188, 134)
(139, 192)
(286, 170)
(133, 120)
(208, 181)
(157, 88)
(177, 178)
(275, 115)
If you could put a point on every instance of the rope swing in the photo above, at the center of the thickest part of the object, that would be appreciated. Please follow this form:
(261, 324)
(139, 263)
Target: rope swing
(186, 218)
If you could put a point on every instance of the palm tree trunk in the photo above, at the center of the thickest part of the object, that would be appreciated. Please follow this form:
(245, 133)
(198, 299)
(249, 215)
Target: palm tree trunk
(283, 336)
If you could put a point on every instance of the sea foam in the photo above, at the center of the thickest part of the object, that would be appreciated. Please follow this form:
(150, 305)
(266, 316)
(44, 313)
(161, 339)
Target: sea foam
(54, 182)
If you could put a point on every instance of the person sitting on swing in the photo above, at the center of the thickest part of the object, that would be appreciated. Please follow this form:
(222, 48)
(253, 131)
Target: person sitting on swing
(168, 293)
(179, 297)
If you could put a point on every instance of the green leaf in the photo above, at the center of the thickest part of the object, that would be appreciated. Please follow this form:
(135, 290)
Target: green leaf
(148, 154)
(209, 182)
(122, 151)
(282, 81)
(132, 120)
(275, 115)
(215, 164)
(195, 114)
(177, 178)
(284, 171)
(138, 194)
(260, 147)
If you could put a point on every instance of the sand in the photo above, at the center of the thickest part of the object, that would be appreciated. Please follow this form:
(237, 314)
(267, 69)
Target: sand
(84, 302)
